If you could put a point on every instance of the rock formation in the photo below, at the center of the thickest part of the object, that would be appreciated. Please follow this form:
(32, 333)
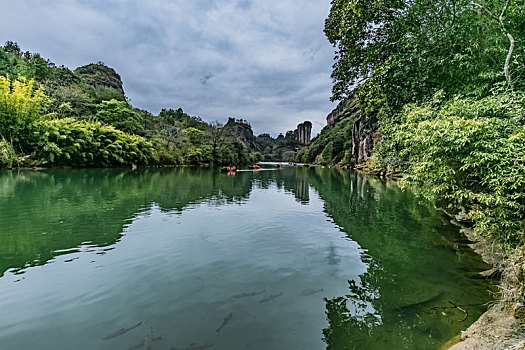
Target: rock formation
(336, 114)
(304, 133)
(242, 130)
(97, 75)
(365, 133)
(364, 137)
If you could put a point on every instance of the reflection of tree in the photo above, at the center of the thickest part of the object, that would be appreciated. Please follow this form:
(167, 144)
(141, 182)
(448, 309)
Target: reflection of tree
(47, 211)
(412, 255)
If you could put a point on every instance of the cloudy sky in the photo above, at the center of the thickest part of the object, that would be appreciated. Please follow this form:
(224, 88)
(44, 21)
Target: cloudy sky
(266, 61)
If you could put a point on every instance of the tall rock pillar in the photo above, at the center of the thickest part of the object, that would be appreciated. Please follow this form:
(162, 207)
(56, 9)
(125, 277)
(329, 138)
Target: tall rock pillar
(304, 133)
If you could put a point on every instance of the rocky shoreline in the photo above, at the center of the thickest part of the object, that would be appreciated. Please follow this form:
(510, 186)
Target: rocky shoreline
(502, 326)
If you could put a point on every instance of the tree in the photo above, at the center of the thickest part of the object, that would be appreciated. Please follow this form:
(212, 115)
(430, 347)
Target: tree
(121, 115)
(12, 47)
(217, 139)
(411, 49)
(194, 135)
(505, 32)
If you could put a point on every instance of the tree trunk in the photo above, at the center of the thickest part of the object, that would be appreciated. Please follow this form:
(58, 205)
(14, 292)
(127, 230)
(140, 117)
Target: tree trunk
(507, 61)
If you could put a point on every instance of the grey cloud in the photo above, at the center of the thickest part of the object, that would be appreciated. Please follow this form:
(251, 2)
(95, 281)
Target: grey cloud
(205, 78)
(265, 61)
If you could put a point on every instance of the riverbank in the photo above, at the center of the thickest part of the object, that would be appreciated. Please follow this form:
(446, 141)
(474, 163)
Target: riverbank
(502, 326)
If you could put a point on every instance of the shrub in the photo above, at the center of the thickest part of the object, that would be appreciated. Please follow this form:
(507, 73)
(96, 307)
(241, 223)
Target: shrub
(88, 143)
(288, 156)
(470, 154)
(121, 115)
(20, 105)
(7, 154)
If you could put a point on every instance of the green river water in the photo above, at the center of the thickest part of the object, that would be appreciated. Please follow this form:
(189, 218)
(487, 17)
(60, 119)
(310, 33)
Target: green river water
(297, 258)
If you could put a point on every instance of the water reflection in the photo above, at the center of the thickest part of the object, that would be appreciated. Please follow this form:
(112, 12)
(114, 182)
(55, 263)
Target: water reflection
(44, 213)
(405, 242)
(415, 261)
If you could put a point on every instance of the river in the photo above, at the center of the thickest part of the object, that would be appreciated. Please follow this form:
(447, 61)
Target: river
(292, 258)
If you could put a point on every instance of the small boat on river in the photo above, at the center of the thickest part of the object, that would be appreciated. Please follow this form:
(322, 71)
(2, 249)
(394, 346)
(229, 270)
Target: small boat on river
(228, 169)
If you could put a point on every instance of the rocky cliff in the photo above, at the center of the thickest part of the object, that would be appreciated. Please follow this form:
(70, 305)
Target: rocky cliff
(365, 136)
(364, 133)
(348, 139)
(304, 133)
(241, 129)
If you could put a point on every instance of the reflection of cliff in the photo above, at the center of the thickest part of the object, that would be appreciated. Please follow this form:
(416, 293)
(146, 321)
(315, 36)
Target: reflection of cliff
(47, 211)
(295, 181)
(403, 240)
(302, 191)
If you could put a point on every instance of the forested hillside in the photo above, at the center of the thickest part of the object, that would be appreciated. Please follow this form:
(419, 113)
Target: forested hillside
(51, 115)
(440, 85)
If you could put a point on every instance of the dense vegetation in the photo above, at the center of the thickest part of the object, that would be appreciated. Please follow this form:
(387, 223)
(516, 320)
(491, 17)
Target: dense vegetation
(54, 116)
(446, 82)
(281, 148)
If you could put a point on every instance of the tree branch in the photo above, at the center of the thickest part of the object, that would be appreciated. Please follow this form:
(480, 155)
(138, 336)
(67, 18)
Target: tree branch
(503, 11)
(485, 9)
(505, 32)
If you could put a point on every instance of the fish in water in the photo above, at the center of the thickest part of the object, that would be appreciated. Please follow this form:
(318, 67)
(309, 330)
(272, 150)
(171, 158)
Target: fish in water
(307, 292)
(196, 346)
(270, 298)
(225, 322)
(141, 345)
(244, 295)
(121, 331)
(417, 306)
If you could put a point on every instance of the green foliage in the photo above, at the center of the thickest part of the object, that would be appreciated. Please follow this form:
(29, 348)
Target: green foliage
(20, 105)
(69, 141)
(469, 153)
(121, 115)
(92, 107)
(194, 135)
(279, 148)
(288, 156)
(198, 155)
(7, 154)
(403, 60)
(326, 154)
(410, 49)
(82, 91)
(102, 93)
